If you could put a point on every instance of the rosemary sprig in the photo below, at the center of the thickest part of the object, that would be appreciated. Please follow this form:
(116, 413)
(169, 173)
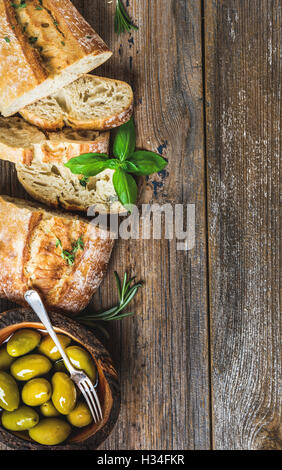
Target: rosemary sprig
(69, 256)
(122, 21)
(126, 292)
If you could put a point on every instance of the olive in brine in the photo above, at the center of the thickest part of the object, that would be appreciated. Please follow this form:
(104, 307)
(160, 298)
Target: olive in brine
(22, 419)
(9, 392)
(59, 366)
(36, 392)
(64, 393)
(5, 359)
(23, 342)
(82, 360)
(80, 416)
(49, 349)
(30, 366)
(50, 431)
(48, 410)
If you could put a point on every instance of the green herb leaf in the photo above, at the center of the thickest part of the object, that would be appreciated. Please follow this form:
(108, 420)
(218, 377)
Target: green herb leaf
(125, 141)
(125, 187)
(22, 4)
(69, 256)
(126, 293)
(58, 243)
(122, 21)
(83, 181)
(145, 163)
(88, 164)
(7, 39)
(79, 245)
(114, 164)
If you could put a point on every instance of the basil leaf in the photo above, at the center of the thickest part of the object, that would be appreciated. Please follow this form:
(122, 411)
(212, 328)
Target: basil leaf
(146, 163)
(113, 163)
(125, 187)
(88, 164)
(125, 141)
(128, 166)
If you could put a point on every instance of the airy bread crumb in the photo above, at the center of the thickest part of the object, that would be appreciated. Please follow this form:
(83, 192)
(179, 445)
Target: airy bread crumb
(88, 103)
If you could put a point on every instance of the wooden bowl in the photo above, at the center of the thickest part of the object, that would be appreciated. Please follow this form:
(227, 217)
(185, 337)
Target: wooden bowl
(108, 388)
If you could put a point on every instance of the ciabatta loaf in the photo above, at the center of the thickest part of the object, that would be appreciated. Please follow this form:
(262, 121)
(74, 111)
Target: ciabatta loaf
(88, 103)
(44, 46)
(40, 159)
(63, 257)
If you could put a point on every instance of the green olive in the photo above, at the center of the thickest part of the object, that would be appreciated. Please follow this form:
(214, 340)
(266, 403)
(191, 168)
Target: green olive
(82, 360)
(49, 349)
(64, 393)
(50, 431)
(48, 410)
(30, 366)
(80, 416)
(36, 392)
(5, 359)
(59, 366)
(22, 342)
(9, 392)
(22, 419)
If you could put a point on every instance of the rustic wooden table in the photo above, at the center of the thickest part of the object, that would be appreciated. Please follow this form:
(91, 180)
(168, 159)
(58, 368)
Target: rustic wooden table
(200, 363)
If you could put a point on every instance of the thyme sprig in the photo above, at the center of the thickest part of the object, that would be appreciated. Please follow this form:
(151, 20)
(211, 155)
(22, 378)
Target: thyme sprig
(126, 293)
(122, 20)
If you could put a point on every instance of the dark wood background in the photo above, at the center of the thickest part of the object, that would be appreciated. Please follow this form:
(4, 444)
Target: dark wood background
(200, 362)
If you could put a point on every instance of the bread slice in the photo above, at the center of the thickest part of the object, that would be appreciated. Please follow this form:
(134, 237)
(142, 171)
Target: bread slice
(53, 184)
(88, 103)
(32, 241)
(20, 142)
(40, 158)
(44, 46)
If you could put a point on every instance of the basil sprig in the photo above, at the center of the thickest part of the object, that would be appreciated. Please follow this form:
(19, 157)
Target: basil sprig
(127, 161)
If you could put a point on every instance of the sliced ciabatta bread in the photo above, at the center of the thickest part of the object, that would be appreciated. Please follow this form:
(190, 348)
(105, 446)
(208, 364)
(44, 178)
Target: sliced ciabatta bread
(90, 102)
(40, 159)
(17, 138)
(54, 184)
(20, 141)
(44, 46)
(62, 256)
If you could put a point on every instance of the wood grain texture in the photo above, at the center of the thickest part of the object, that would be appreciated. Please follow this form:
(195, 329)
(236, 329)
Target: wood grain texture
(162, 353)
(243, 149)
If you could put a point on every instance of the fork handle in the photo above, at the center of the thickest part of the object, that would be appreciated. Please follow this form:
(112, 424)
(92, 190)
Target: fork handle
(34, 300)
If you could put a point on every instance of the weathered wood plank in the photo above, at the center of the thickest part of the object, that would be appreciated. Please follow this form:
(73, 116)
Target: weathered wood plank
(243, 148)
(163, 352)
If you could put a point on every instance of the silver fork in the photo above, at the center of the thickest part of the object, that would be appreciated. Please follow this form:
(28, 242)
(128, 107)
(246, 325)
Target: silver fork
(79, 378)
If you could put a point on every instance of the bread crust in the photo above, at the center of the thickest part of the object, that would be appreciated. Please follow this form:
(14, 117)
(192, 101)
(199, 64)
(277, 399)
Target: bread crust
(20, 66)
(31, 258)
(75, 25)
(102, 124)
(24, 66)
(45, 124)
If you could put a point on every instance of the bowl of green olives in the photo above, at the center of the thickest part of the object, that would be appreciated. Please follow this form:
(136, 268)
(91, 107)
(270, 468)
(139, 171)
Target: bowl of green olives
(40, 406)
